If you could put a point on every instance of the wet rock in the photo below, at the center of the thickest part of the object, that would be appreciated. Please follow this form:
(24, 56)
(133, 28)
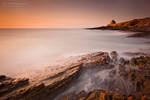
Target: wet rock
(112, 73)
(143, 62)
(97, 60)
(140, 76)
(21, 89)
(138, 86)
(48, 86)
(114, 56)
(110, 66)
(2, 77)
(122, 72)
(136, 79)
(118, 79)
(123, 61)
(102, 95)
(20, 82)
(109, 95)
(80, 96)
(8, 85)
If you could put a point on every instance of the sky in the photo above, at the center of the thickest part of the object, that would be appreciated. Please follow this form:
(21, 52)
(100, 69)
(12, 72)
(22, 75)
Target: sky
(69, 13)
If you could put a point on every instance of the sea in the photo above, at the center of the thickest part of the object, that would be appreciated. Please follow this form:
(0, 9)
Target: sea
(24, 49)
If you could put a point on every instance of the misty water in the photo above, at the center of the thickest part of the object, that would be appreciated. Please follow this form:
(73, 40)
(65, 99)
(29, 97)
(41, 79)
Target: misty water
(22, 49)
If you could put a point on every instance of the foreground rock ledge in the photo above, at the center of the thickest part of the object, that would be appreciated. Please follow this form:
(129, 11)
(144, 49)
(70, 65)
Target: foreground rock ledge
(22, 89)
(49, 86)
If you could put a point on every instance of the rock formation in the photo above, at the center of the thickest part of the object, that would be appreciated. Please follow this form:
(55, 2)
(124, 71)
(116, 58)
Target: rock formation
(136, 71)
(126, 80)
(142, 26)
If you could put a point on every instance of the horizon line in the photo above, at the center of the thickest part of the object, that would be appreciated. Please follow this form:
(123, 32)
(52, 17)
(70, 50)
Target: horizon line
(43, 28)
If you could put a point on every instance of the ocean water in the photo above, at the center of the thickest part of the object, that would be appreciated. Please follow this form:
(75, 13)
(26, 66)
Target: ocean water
(22, 49)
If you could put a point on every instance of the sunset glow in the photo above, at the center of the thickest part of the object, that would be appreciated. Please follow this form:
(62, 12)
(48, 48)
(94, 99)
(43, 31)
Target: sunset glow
(68, 13)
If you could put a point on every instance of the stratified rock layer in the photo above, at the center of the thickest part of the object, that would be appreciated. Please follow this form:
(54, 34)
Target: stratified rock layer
(46, 86)
(134, 73)
(137, 71)
(22, 89)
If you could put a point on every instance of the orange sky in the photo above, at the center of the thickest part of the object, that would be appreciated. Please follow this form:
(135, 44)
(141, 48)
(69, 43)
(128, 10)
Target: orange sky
(66, 13)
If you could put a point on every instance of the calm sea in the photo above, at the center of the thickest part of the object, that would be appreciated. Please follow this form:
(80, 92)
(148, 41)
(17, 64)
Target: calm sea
(32, 48)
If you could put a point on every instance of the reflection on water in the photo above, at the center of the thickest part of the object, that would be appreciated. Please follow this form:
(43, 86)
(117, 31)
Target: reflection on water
(33, 48)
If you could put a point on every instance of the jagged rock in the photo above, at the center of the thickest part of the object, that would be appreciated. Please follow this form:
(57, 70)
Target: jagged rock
(49, 86)
(139, 79)
(114, 56)
(122, 71)
(109, 95)
(8, 85)
(112, 73)
(102, 95)
(2, 77)
(46, 87)
(143, 62)
(97, 59)
(123, 61)
(17, 89)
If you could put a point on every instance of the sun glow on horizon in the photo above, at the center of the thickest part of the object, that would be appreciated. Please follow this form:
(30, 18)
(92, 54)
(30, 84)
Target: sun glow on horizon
(67, 13)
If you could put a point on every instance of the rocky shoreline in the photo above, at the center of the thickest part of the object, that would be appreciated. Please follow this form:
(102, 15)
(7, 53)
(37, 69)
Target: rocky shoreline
(124, 80)
(140, 27)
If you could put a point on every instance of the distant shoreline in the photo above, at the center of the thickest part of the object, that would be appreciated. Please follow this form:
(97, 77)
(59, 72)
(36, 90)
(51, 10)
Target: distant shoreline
(140, 27)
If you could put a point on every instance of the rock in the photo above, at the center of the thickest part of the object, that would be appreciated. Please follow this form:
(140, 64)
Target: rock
(113, 22)
(102, 95)
(114, 56)
(137, 80)
(2, 77)
(140, 26)
(97, 59)
(130, 98)
(124, 62)
(80, 96)
(138, 86)
(20, 82)
(109, 95)
(112, 73)
(9, 85)
(143, 62)
(49, 86)
(122, 72)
